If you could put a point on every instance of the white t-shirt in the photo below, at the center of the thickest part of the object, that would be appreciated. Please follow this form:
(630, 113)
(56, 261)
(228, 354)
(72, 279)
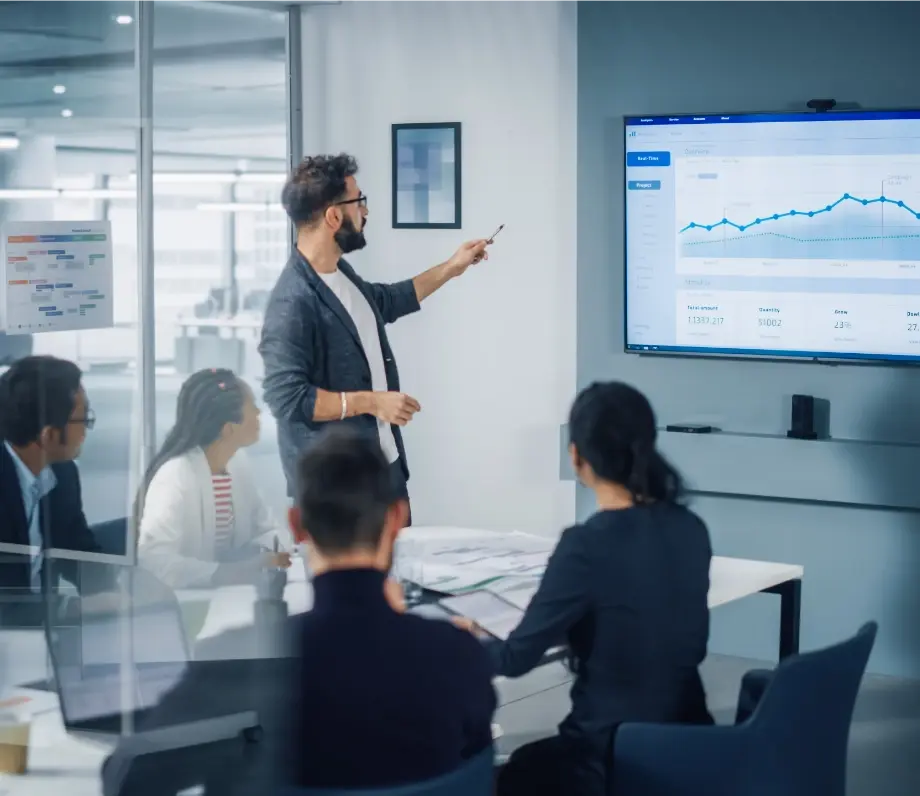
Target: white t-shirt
(366, 323)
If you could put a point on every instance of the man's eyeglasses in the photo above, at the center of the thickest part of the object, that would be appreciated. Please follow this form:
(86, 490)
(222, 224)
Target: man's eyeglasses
(88, 420)
(361, 201)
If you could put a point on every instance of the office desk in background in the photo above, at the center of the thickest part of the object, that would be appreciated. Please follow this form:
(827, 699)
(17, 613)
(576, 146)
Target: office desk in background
(219, 343)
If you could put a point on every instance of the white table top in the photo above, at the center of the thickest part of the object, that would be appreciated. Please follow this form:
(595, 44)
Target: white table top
(730, 578)
(61, 764)
(58, 764)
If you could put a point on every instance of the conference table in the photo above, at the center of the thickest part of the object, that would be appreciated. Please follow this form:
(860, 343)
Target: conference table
(59, 763)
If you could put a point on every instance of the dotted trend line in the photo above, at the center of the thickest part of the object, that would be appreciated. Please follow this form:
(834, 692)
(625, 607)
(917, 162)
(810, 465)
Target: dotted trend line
(808, 213)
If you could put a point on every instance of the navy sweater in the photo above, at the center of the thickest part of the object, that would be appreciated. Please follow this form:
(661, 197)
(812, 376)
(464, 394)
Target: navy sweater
(385, 698)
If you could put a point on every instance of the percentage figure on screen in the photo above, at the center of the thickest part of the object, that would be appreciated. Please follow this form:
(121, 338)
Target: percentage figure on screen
(843, 325)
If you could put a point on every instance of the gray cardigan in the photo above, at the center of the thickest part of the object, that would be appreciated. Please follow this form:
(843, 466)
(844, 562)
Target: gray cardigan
(309, 341)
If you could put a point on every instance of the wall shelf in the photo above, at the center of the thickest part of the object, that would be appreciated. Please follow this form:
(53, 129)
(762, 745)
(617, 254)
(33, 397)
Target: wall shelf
(843, 471)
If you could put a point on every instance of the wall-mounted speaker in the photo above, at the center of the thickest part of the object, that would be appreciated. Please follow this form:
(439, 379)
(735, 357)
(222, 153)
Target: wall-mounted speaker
(803, 418)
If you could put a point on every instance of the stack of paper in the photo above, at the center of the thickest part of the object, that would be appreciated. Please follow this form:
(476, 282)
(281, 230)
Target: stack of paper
(509, 565)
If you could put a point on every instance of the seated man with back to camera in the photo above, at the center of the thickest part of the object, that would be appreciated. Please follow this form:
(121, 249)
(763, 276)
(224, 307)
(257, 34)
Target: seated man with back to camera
(386, 698)
(44, 417)
(360, 694)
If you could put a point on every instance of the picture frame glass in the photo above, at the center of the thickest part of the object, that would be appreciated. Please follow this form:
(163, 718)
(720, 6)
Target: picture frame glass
(426, 175)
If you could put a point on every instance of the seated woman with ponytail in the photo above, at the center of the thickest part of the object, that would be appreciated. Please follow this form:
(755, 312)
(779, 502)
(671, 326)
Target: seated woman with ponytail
(198, 512)
(626, 590)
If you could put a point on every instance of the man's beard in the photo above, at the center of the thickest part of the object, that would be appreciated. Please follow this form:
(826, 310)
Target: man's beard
(349, 238)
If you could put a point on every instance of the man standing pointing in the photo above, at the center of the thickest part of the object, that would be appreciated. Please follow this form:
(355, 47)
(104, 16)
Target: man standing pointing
(325, 349)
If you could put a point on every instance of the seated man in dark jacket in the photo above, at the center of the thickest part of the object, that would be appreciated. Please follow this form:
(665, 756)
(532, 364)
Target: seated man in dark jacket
(357, 693)
(385, 698)
(44, 417)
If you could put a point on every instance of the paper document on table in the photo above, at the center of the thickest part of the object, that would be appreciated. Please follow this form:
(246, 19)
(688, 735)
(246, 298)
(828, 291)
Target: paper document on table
(453, 566)
(497, 617)
(454, 580)
(513, 554)
(517, 591)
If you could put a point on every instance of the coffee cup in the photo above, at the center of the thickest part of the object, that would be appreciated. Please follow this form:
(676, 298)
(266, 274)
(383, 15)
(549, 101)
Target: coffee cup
(14, 742)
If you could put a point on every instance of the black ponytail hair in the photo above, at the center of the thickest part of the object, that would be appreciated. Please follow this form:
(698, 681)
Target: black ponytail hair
(613, 429)
(208, 400)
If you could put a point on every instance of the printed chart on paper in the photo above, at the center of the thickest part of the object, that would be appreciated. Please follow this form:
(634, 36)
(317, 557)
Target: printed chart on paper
(57, 276)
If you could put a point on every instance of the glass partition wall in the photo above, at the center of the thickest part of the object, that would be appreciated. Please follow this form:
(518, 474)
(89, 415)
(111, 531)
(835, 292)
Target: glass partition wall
(172, 121)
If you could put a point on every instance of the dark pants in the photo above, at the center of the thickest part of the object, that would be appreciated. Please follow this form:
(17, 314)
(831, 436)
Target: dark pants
(555, 767)
(400, 487)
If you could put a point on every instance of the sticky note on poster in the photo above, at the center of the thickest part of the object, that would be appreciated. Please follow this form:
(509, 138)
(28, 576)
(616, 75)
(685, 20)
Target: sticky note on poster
(56, 276)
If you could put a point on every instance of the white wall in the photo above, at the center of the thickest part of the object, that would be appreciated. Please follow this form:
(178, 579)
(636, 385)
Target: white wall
(492, 357)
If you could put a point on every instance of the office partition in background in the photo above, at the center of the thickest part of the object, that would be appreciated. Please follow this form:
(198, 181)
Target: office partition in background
(209, 100)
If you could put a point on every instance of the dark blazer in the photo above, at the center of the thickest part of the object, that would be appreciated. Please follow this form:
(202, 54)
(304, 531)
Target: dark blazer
(61, 517)
(356, 695)
(309, 341)
(628, 591)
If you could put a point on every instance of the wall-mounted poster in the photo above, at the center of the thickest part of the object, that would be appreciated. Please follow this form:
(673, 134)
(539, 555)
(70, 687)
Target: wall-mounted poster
(426, 176)
(56, 276)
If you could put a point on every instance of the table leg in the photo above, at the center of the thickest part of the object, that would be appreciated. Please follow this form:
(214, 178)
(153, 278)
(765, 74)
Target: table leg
(790, 613)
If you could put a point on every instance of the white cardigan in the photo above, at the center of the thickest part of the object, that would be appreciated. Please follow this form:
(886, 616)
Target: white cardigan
(179, 524)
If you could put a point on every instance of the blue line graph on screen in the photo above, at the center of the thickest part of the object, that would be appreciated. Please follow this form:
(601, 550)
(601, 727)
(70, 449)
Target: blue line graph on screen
(850, 228)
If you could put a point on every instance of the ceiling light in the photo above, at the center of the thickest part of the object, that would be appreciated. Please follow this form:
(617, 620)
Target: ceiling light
(8, 142)
(59, 89)
(66, 113)
(29, 193)
(265, 178)
(241, 207)
(189, 177)
(96, 193)
(124, 19)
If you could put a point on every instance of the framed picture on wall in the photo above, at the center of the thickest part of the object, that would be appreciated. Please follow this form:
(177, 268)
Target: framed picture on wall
(426, 176)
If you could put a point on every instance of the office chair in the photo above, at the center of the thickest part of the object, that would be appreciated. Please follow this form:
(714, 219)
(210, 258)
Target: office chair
(473, 778)
(111, 536)
(207, 753)
(793, 743)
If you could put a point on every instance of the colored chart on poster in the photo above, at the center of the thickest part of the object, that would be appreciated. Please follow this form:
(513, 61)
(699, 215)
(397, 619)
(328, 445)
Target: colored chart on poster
(57, 276)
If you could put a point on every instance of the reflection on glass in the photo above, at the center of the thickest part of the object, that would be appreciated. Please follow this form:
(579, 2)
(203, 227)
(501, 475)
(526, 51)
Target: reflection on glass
(220, 236)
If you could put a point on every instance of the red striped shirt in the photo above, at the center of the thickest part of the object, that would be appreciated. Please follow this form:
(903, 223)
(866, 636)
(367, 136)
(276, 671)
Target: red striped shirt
(223, 506)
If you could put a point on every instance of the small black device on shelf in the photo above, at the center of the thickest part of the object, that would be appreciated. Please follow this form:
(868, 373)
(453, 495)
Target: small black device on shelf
(690, 428)
(803, 418)
(822, 105)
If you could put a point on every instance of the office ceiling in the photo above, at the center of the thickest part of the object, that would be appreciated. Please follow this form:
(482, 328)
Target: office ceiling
(219, 77)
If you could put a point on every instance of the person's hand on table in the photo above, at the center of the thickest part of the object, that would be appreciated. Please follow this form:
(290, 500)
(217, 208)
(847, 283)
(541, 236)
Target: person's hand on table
(469, 626)
(247, 571)
(276, 560)
(394, 595)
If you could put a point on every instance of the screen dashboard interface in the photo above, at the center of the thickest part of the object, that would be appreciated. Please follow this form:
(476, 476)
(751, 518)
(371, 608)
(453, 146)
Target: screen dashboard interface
(777, 235)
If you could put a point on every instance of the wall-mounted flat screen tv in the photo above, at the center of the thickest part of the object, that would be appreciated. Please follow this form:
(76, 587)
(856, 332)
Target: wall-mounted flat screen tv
(775, 235)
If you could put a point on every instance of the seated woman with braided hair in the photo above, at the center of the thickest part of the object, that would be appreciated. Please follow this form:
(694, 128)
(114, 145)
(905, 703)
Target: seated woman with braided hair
(198, 513)
(626, 590)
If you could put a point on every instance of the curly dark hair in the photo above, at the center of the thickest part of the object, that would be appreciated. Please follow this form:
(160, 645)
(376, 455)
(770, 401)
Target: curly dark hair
(315, 184)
